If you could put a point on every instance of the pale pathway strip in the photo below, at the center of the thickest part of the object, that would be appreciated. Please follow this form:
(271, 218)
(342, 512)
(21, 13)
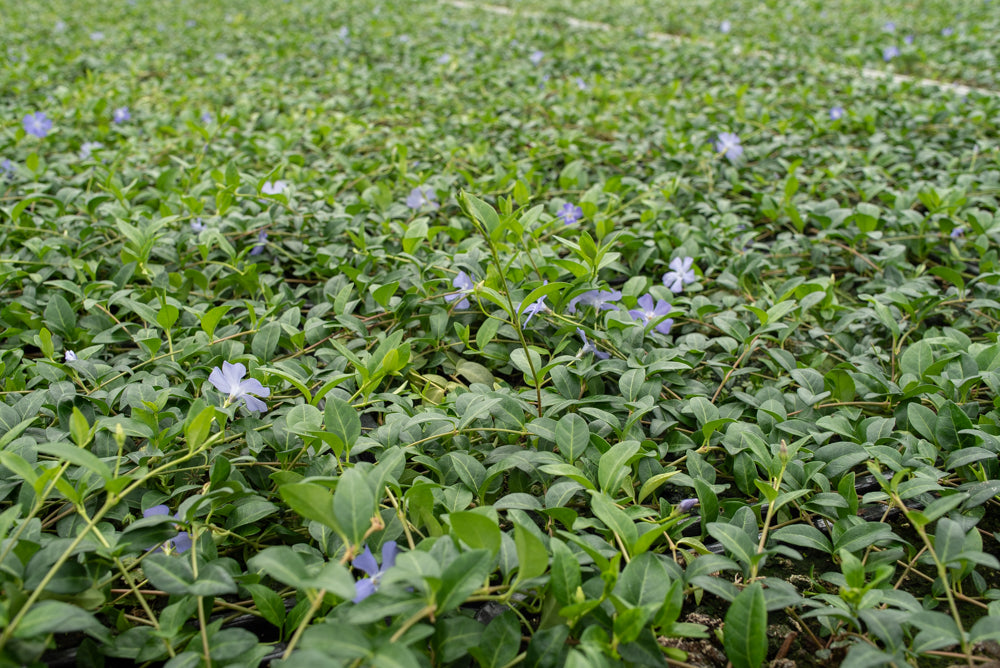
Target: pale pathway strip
(865, 72)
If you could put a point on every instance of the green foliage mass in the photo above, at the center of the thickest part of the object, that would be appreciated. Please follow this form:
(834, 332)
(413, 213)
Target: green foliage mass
(494, 437)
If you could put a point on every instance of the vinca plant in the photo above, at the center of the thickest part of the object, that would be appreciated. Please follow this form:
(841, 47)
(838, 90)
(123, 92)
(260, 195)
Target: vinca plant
(399, 334)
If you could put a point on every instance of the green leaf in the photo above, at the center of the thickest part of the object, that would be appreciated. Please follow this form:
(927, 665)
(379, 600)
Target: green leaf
(477, 530)
(341, 420)
(735, 540)
(482, 213)
(565, 575)
(630, 384)
(532, 559)
(265, 341)
(916, 358)
(572, 436)
(47, 617)
(613, 517)
(804, 535)
(61, 316)
(198, 428)
(77, 456)
(746, 629)
(268, 603)
(922, 419)
(862, 536)
(612, 469)
(311, 501)
(354, 505)
(79, 429)
(500, 641)
(211, 318)
(464, 575)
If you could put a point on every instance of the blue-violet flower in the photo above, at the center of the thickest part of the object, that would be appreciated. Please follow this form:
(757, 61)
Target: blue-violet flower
(728, 143)
(648, 313)
(120, 115)
(229, 380)
(180, 543)
(422, 196)
(37, 124)
(589, 347)
(366, 562)
(463, 282)
(570, 213)
(681, 273)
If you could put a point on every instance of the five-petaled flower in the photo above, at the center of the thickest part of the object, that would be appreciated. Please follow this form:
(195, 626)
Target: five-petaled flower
(947, 32)
(181, 542)
(836, 113)
(648, 313)
(589, 347)
(570, 213)
(602, 300)
(532, 309)
(536, 56)
(207, 118)
(258, 248)
(890, 26)
(197, 225)
(366, 562)
(88, 148)
(725, 27)
(69, 356)
(422, 196)
(120, 115)
(957, 232)
(890, 52)
(273, 187)
(463, 282)
(681, 273)
(37, 124)
(229, 380)
(728, 144)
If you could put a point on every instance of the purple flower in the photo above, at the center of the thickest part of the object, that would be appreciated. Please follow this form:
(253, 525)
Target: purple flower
(197, 226)
(88, 148)
(37, 124)
(957, 232)
(96, 36)
(908, 39)
(686, 505)
(890, 52)
(647, 313)
(681, 273)
(422, 196)
(273, 187)
(207, 118)
(229, 381)
(191, 23)
(261, 243)
(836, 113)
(602, 300)
(532, 309)
(69, 356)
(589, 347)
(570, 213)
(580, 83)
(120, 115)
(536, 56)
(725, 27)
(464, 284)
(729, 145)
(7, 167)
(889, 26)
(345, 34)
(180, 543)
(947, 32)
(366, 562)
(444, 59)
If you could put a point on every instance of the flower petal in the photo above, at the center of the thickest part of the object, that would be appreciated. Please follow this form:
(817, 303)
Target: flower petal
(363, 589)
(182, 542)
(253, 386)
(254, 404)
(389, 552)
(219, 381)
(366, 562)
(234, 373)
(155, 511)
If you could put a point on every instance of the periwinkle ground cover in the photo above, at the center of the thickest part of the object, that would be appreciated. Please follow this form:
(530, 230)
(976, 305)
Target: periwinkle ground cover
(285, 289)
